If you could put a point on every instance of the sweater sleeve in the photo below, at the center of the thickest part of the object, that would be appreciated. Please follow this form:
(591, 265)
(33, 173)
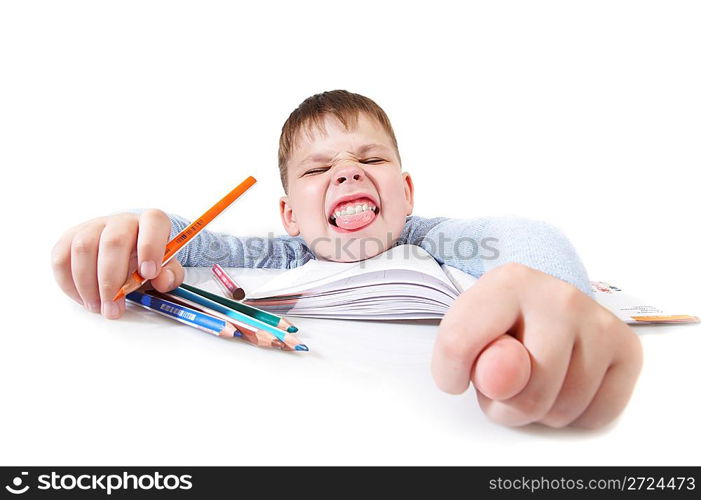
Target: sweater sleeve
(209, 248)
(477, 245)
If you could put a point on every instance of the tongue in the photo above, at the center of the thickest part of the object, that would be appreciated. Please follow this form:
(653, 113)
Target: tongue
(355, 221)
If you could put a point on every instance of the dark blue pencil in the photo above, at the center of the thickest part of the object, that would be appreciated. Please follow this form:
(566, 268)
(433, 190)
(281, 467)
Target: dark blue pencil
(186, 315)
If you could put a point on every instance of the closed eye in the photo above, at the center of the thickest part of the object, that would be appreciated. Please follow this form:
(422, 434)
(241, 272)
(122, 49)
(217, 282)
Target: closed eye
(316, 171)
(372, 160)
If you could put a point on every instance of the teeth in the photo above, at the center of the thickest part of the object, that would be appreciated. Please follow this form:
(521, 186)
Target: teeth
(354, 209)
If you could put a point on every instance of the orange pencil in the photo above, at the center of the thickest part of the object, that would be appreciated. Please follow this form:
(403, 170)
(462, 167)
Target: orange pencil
(187, 235)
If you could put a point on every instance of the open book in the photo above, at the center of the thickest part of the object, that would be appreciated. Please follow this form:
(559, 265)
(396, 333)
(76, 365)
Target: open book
(404, 282)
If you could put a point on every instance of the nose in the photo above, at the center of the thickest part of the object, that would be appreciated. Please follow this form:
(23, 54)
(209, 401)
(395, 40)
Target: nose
(348, 173)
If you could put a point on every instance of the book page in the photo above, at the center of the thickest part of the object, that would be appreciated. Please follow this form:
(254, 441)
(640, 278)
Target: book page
(633, 310)
(461, 280)
(409, 262)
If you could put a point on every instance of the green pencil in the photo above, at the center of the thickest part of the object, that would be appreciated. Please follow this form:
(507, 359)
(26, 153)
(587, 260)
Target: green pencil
(254, 312)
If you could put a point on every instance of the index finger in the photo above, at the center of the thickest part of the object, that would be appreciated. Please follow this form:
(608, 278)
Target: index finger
(154, 232)
(479, 316)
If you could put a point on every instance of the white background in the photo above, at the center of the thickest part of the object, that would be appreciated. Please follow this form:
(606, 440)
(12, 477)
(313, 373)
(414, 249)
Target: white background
(584, 114)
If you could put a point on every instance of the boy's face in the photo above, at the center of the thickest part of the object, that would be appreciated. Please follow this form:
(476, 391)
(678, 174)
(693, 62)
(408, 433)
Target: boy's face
(347, 196)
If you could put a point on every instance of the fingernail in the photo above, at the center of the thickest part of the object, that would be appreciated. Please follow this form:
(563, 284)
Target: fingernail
(110, 309)
(148, 269)
(170, 277)
(94, 306)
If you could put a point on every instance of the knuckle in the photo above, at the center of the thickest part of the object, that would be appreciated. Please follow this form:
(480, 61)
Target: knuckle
(123, 223)
(516, 412)
(592, 422)
(610, 323)
(176, 266)
(522, 410)
(107, 286)
(633, 346)
(555, 424)
(613, 331)
(570, 299)
(179, 276)
(453, 345)
(145, 249)
(83, 245)
(59, 257)
(557, 418)
(150, 248)
(509, 271)
(531, 409)
(517, 269)
(115, 241)
(508, 415)
(156, 214)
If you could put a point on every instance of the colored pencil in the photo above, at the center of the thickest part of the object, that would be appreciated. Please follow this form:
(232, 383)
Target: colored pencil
(187, 235)
(185, 315)
(228, 283)
(674, 318)
(264, 316)
(232, 313)
(257, 337)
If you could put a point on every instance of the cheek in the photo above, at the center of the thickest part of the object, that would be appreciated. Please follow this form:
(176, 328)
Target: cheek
(392, 193)
(308, 203)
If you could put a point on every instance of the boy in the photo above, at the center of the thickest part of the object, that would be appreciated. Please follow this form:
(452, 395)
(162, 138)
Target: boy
(528, 334)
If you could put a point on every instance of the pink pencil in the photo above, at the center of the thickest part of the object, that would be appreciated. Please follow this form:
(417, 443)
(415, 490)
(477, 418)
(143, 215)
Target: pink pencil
(228, 283)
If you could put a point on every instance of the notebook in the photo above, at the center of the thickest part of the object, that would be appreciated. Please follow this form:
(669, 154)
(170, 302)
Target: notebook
(403, 283)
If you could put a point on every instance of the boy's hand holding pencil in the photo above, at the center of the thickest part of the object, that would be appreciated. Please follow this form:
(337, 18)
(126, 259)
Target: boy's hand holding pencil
(91, 261)
(97, 263)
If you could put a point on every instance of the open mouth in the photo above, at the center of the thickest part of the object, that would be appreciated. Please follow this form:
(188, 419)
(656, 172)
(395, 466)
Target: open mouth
(351, 215)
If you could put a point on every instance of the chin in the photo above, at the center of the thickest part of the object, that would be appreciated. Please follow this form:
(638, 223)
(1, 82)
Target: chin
(348, 248)
(340, 245)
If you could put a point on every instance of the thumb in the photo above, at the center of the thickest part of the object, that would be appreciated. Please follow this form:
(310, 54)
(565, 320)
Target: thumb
(170, 276)
(502, 369)
(480, 315)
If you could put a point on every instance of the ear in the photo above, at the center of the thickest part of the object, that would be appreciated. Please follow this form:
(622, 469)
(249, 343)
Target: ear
(408, 192)
(288, 217)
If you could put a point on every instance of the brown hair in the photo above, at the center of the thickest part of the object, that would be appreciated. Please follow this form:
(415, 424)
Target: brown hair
(344, 105)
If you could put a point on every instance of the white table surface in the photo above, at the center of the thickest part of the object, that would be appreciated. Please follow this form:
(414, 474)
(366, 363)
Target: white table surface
(603, 144)
(144, 390)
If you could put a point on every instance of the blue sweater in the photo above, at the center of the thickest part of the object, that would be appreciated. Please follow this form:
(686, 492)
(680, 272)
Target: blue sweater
(472, 245)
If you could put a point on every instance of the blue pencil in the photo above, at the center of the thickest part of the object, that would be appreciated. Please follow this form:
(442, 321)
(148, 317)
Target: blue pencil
(185, 315)
(249, 320)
